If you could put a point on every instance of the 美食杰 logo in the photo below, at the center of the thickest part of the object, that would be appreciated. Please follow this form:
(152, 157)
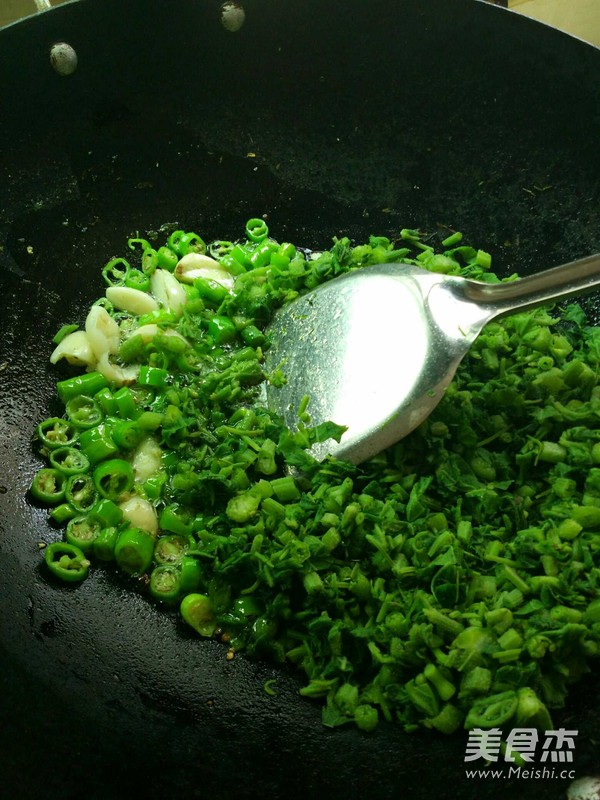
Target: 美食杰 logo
(529, 752)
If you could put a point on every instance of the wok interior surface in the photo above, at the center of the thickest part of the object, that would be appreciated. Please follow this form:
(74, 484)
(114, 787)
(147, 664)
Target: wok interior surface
(361, 118)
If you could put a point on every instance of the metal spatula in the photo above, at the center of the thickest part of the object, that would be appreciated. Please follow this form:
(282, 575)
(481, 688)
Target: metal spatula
(376, 348)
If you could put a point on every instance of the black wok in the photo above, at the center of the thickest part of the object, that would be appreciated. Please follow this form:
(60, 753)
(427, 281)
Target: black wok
(363, 117)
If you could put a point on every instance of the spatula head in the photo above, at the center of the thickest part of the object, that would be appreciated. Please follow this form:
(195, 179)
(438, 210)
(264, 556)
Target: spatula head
(373, 349)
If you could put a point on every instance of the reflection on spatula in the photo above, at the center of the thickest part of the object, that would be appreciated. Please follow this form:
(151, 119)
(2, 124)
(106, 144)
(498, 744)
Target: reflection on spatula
(376, 348)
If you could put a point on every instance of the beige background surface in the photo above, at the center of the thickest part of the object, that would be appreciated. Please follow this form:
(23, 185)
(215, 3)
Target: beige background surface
(11, 10)
(579, 17)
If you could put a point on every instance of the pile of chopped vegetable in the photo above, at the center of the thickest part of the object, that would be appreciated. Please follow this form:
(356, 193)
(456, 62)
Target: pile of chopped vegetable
(452, 581)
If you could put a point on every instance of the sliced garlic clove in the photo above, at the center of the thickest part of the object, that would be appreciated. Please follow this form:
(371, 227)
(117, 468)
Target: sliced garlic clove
(132, 300)
(176, 334)
(148, 332)
(116, 374)
(140, 514)
(146, 459)
(102, 331)
(76, 349)
(196, 265)
(167, 290)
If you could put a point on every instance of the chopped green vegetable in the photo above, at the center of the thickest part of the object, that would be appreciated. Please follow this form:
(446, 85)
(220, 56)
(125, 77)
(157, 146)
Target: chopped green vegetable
(450, 581)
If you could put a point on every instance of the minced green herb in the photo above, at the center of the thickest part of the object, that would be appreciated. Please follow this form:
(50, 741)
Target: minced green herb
(451, 581)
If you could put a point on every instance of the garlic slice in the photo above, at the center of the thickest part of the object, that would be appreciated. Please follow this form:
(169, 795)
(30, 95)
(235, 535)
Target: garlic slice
(116, 374)
(102, 331)
(133, 300)
(76, 349)
(146, 459)
(167, 290)
(148, 332)
(140, 514)
(196, 265)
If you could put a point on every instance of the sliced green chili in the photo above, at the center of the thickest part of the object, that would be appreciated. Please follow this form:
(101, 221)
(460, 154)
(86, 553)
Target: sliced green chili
(220, 248)
(221, 329)
(133, 550)
(48, 486)
(105, 400)
(82, 531)
(80, 491)
(104, 544)
(65, 330)
(150, 262)
(69, 460)
(153, 376)
(212, 292)
(66, 562)
(55, 432)
(113, 478)
(63, 513)
(87, 384)
(127, 434)
(166, 258)
(191, 574)
(125, 403)
(107, 512)
(196, 609)
(138, 279)
(83, 412)
(191, 243)
(97, 444)
(166, 584)
(171, 549)
(116, 271)
(256, 229)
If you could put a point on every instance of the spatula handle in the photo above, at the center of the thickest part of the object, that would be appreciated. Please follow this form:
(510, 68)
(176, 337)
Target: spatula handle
(574, 278)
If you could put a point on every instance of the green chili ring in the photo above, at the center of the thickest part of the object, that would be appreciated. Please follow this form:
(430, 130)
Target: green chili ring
(256, 229)
(63, 513)
(197, 611)
(69, 461)
(107, 512)
(116, 271)
(219, 249)
(98, 444)
(191, 574)
(171, 549)
(113, 478)
(81, 492)
(127, 434)
(87, 384)
(105, 543)
(82, 531)
(138, 279)
(165, 584)
(150, 261)
(133, 550)
(84, 412)
(56, 432)
(191, 243)
(144, 244)
(48, 486)
(165, 259)
(66, 561)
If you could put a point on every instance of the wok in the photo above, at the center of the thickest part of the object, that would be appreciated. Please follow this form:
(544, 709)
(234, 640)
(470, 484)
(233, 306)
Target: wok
(363, 117)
